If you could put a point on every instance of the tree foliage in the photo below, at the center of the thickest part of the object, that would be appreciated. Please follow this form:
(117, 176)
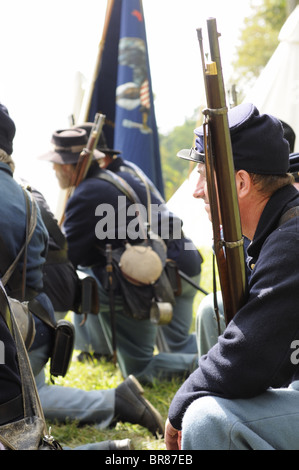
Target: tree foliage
(175, 170)
(259, 38)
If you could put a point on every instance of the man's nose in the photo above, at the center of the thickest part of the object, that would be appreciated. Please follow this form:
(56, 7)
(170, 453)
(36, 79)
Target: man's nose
(199, 190)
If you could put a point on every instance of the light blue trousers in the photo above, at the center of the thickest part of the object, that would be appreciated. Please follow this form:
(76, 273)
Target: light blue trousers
(135, 341)
(207, 328)
(176, 334)
(61, 403)
(269, 421)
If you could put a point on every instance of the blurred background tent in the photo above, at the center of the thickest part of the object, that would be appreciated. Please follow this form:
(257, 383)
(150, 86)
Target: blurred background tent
(276, 91)
(195, 219)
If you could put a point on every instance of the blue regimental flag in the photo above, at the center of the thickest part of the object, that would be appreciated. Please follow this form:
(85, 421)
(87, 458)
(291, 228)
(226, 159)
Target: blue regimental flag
(123, 90)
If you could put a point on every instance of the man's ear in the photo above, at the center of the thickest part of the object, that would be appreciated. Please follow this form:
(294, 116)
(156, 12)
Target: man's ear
(67, 169)
(243, 183)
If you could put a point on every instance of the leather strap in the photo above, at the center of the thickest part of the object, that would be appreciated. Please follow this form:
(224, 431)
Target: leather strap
(124, 187)
(40, 312)
(289, 214)
(120, 183)
(29, 232)
(11, 410)
(130, 167)
(4, 309)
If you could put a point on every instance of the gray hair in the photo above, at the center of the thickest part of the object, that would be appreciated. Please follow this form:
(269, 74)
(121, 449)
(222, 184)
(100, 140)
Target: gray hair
(5, 158)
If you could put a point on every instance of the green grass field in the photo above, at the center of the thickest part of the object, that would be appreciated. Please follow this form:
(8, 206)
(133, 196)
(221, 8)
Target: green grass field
(102, 375)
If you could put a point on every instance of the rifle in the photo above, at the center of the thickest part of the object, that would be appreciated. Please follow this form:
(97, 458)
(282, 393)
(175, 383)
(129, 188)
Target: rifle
(192, 283)
(85, 158)
(109, 271)
(223, 199)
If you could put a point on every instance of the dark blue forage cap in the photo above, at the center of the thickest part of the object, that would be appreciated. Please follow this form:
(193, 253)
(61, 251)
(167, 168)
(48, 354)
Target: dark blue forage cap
(7, 130)
(257, 140)
(67, 145)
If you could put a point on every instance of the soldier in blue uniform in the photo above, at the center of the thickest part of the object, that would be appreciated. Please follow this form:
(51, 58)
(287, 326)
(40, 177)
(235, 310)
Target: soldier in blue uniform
(175, 336)
(245, 392)
(101, 407)
(208, 324)
(13, 222)
(135, 339)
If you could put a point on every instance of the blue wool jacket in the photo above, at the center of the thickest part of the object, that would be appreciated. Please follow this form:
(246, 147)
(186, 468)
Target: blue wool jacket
(97, 214)
(93, 218)
(12, 227)
(12, 230)
(179, 248)
(256, 351)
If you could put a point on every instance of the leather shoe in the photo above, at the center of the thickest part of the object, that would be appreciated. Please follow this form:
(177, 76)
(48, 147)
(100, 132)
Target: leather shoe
(123, 444)
(132, 407)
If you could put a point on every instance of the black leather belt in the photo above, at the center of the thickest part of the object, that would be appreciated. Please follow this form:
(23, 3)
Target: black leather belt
(11, 410)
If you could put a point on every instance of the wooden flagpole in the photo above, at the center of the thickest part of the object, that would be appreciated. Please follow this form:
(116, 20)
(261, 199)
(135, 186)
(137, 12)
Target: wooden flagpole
(87, 102)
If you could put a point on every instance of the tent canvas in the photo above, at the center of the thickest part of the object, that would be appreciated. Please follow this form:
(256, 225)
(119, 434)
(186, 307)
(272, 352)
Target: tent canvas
(196, 224)
(276, 91)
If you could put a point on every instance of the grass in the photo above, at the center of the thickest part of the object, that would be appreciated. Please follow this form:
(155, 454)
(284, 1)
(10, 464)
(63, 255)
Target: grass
(102, 375)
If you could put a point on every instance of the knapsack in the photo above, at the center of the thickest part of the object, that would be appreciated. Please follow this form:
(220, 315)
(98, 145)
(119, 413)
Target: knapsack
(144, 296)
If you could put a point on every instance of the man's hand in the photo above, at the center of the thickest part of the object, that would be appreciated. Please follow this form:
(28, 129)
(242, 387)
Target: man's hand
(172, 437)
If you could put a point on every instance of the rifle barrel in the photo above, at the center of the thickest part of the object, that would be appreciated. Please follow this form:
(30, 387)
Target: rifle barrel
(85, 159)
(231, 267)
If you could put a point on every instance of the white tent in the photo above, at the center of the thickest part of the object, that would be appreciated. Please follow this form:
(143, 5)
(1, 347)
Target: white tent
(196, 224)
(276, 90)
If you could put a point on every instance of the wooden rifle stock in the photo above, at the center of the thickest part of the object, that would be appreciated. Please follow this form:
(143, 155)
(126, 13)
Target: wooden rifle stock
(228, 246)
(86, 155)
(85, 158)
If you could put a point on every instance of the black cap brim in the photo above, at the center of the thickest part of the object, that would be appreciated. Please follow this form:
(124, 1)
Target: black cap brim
(192, 155)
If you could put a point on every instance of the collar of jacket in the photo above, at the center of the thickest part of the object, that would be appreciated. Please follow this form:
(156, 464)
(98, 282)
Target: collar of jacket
(278, 204)
(6, 168)
(93, 170)
(115, 164)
